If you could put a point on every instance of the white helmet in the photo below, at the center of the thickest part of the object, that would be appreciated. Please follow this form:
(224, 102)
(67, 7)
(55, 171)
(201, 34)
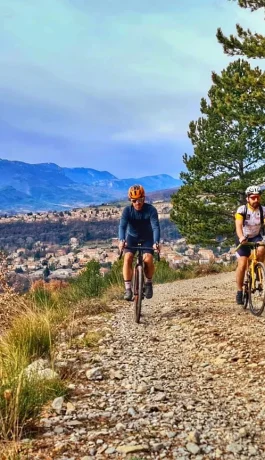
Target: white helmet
(253, 190)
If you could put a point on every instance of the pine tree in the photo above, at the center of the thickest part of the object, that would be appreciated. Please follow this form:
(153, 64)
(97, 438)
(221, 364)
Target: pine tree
(229, 154)
(245, 43)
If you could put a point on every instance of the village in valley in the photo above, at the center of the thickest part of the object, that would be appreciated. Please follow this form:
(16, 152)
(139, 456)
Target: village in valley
(50, 261)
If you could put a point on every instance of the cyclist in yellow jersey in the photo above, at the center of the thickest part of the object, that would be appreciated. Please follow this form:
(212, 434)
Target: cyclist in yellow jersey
(248, 229)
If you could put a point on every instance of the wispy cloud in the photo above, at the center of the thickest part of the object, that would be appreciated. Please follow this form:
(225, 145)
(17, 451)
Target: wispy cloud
(82, 81)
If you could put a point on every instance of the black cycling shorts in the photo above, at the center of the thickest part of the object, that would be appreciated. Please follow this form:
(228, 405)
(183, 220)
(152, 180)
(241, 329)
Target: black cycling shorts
(132, 241)
(246, 250)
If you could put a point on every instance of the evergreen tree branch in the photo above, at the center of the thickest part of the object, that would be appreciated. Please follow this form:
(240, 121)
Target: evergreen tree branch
(245, 43)
(252, 4)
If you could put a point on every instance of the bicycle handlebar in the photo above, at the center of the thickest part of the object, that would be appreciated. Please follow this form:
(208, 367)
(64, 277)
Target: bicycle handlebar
(250, 244)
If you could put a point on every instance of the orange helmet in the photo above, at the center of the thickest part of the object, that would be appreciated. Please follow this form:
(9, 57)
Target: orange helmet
(135, 192)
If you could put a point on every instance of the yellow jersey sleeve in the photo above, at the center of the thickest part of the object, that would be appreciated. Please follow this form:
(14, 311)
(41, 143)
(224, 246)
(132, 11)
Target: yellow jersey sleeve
(240, 217)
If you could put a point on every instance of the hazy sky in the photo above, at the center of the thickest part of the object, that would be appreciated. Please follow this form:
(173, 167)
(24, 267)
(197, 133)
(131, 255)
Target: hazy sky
(108, 84)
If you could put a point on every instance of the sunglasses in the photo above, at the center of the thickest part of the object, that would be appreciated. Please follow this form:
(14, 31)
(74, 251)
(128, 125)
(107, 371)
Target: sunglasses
(139, 200)
(254, 197)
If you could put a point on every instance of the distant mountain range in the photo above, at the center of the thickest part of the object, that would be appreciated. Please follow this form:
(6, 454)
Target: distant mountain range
(46, 186)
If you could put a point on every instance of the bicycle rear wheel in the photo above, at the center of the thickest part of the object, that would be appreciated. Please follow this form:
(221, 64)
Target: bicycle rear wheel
(257, 290)
(138, 292)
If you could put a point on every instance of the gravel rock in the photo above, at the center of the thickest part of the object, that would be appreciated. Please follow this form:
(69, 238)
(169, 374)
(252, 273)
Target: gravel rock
(94, 374)
(132, 449)
(193, 448)
(57, 404)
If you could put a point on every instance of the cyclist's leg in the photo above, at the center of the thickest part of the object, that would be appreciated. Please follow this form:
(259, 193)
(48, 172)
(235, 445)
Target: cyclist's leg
(242, 258)
(260, 250)
(261, 254)
(149, 269)
(240, 271)
(127, 269)
(127, 275)
(127, 266)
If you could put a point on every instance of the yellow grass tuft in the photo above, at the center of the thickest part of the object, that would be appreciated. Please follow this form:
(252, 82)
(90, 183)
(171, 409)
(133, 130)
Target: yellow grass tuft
(92, 338)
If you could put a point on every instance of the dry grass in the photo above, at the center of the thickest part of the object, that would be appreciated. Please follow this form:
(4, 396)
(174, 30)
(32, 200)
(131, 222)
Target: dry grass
(11, 303)
(52, 286)
(11, 451)
(165, 274)
(92, 338)
(79, 320)
(29, 338)
(30, 334)
(27, 334)
(113, 292)
(211, 268)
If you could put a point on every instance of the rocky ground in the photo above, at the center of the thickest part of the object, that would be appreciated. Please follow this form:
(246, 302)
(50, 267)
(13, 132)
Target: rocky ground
(187, 383)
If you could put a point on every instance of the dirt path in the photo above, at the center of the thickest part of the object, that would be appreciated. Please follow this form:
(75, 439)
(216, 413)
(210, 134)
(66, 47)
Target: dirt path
(186, 383)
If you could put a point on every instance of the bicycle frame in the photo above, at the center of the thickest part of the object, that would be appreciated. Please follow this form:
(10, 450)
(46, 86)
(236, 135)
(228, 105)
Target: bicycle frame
(252, 259)
(253, 285)
(139, 257)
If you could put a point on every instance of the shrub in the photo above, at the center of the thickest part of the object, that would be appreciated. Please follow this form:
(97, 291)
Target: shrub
(114, 276)
(89, 283)
(163, 272)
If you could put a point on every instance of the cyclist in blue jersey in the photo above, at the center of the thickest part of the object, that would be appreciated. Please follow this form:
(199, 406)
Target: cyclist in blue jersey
(139, 223)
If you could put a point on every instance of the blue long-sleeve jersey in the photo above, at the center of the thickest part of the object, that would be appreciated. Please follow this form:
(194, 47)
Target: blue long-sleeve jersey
(143, 224)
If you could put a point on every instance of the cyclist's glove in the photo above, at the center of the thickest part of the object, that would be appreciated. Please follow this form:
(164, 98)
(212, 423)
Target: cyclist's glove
(121, 245)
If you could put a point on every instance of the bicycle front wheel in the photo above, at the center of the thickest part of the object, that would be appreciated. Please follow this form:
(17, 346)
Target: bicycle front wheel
(257, 290)
(138, 292)
(246, 287)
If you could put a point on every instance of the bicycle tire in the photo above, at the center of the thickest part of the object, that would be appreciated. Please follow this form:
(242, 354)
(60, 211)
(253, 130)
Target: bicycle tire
(138, 292)
(259, 289)
(246, 287)
(245, 296)
(135, 290)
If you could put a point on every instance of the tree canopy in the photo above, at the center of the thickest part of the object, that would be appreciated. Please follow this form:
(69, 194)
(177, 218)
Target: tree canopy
(229, 154)
(246, 43)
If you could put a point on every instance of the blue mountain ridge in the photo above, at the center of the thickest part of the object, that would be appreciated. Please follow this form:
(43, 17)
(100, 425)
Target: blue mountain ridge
(35, 187)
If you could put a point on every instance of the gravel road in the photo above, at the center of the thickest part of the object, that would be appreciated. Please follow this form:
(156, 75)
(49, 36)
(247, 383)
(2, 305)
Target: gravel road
(186, 383)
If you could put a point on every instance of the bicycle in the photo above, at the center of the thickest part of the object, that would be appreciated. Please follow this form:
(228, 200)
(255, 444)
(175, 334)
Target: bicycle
(138, 279)
(254, 281)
